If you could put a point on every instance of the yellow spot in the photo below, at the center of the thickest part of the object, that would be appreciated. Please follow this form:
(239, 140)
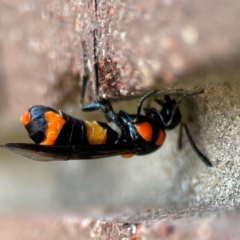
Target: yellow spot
(145, 130)
(96, 134)
(54, 126)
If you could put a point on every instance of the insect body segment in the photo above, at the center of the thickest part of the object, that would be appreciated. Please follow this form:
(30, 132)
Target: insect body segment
(144, 130)
(47, 126)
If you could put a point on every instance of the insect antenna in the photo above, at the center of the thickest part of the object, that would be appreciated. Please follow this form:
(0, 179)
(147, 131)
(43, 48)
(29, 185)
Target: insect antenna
(204, 159)
(140, 103)
(85, 76)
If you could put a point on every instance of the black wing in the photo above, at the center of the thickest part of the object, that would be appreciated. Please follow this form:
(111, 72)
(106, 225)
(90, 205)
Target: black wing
(53, 153)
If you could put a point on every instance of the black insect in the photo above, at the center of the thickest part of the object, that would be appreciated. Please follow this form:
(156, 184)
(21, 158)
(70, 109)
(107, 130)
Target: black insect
(58, 136)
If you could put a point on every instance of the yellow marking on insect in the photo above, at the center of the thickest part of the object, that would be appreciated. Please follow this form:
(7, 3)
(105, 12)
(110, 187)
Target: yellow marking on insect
(96, 134)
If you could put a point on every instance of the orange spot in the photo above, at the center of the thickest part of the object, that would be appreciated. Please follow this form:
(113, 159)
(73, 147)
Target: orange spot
(161, 137)
(95, 133)
(145, 131)
(127, 155)
(54, 126)
(25, 118)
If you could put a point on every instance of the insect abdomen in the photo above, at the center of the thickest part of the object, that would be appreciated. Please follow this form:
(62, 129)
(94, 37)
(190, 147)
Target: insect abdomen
(47, 126)
(86, 132)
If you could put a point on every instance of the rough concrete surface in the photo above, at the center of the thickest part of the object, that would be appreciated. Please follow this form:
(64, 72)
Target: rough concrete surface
(181, 47)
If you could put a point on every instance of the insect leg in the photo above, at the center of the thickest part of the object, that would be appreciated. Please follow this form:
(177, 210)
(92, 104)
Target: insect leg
(85, 76)
(127, 120)
(179, 140)
(142, 99)
(170, 113)
(95, 63)
(204, 159)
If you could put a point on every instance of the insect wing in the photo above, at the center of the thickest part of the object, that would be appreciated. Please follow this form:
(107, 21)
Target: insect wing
(53, 153)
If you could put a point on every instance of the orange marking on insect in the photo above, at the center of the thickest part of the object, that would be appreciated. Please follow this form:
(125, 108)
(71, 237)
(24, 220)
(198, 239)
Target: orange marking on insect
(127, 155)
(161, 137)
(96, 134)
(54, 126)
(145, 130)
(25, 118)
